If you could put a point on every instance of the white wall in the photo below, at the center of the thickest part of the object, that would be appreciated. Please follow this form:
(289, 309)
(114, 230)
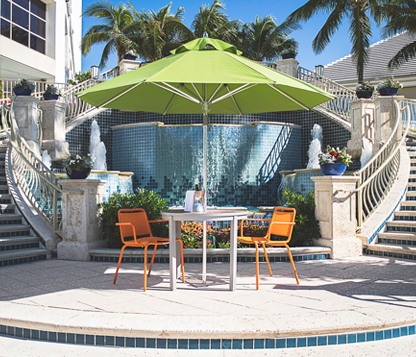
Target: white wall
(56, 63)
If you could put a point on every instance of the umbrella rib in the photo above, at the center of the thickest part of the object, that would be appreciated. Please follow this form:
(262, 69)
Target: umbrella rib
(235, 103)
(216, 91)
(170, 103)
(176, 91)
(199, 95)
(118, 96)
(288, 96)
(235, 91)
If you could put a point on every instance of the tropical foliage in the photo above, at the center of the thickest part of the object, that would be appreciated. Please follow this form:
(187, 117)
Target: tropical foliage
(263, 39)
(115, 20)
(153, 35)
(306, 227)
(148, 200)
(359, 14)
(401, 16)
(334, 156)
(215, 23)
(390, 83)
(364, 87)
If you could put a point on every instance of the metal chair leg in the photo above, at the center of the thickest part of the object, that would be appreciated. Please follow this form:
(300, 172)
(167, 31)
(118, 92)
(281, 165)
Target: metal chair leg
(293, 264)
(119, 262)
(153, 258)
(257, 266)
(183, 267)
(267, 259)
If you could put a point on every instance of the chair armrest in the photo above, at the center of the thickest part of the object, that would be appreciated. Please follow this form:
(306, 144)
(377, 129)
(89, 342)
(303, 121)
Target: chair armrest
(126, 224)
(250, 219)
(159, 221)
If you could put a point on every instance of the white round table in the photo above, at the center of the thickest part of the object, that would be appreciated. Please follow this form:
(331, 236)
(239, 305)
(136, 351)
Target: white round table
(175, 218)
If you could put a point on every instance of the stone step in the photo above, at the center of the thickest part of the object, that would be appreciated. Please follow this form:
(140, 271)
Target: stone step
(391, 250)
(401, 226)
(411, 196)
(5, 198)
(4, 189)
(14, 230)
(22, 256)
(10, 218)
(7, 208)
(16, 243)
(397, 238)
(405, 216)
(408, 206)
(213, 255)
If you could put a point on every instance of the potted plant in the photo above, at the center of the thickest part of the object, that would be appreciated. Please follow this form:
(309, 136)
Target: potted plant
(364, 90)
(291, 53)
(130, 55)
(23, 87)
(51, 93)
(78, 166)
(334, 161)
(389, 87)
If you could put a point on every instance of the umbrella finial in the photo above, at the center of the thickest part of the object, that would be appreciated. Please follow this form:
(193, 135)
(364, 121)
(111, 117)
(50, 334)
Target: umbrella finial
(205, 34)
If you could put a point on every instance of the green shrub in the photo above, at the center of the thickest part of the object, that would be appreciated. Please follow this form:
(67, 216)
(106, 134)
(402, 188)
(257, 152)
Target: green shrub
(192, 235)
(306, 227)
(148, 200)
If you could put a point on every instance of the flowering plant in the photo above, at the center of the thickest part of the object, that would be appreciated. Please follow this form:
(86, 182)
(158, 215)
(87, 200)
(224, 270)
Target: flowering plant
(390, 83)
(364, 87)
(334, 156)
(79, 161)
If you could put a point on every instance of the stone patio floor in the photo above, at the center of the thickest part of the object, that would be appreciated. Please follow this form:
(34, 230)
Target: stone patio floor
(334, 296)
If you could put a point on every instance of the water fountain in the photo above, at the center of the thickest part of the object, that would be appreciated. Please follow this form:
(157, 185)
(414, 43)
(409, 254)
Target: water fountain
(46, 159)
(97, 148)
(315, 147)
(367, 154)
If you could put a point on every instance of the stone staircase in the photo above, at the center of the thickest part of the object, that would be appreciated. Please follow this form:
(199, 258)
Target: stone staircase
(399, 238)
(17, 244)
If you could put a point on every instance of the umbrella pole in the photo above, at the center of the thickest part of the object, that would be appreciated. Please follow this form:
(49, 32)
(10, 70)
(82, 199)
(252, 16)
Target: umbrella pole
(204, 177)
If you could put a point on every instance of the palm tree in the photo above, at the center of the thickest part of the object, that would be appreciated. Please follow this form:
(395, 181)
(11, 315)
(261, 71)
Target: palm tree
(263, 39)
(215, 23)
(154, 34)
(111, 32)
(358, 13)
(401, 16)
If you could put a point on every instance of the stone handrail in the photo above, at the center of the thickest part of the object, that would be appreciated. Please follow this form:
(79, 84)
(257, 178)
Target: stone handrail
(39, 185)
(378, 175)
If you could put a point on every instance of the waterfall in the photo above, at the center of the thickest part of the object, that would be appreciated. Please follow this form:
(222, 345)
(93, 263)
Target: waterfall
(46, 159)
(315, 147)
(97, 148)
(367, 154)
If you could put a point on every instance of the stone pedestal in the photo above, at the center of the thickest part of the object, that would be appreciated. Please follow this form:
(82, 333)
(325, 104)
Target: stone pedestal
(336, 212)
(80, 217)
(385, 118)
(362, 126)
(127, 66)
(27, 117)
(288, 66)
(53, 128)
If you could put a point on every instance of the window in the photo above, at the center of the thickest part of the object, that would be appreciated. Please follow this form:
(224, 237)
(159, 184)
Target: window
(24, 21)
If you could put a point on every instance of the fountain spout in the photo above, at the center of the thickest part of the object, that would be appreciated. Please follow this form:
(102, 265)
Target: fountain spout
(315, 147)
(97, 148)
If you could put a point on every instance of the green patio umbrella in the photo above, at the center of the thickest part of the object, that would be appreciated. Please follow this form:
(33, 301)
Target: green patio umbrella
(201, 77)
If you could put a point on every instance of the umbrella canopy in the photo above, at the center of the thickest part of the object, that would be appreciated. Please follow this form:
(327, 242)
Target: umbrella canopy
(201, 76)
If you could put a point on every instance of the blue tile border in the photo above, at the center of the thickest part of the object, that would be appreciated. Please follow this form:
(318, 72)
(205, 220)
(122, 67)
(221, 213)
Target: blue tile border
(213, 344)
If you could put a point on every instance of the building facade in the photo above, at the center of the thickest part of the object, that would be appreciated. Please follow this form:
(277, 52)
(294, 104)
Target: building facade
(40, 39)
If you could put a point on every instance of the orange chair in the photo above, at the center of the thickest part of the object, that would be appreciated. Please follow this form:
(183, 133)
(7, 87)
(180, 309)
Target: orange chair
(135, 232)
(281, 224)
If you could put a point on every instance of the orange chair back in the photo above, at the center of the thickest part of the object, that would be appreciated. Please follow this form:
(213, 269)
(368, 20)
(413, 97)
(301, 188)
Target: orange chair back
(138, 218)
(282, 214)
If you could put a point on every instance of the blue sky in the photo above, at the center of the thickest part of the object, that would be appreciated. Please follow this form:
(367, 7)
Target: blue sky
(246, 11)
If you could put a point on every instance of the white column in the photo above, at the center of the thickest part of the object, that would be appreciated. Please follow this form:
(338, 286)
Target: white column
(53, 128)
(362, 130)
(385, 118)
(80, 218)
(288, 66)
(128, 65)
(27, 118)
(335, 209)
